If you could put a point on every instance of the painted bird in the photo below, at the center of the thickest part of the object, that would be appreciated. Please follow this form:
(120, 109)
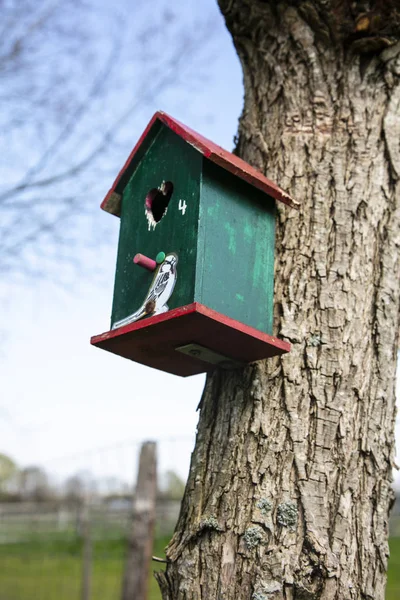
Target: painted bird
(159, 292)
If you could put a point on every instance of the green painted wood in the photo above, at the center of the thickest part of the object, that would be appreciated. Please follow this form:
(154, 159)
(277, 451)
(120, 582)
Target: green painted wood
(168, 158)
(221, 228)
(235, 264)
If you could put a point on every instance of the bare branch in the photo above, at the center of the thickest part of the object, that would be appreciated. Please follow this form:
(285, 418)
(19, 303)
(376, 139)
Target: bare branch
(67, 130)
(18, 44)
(60, 116)
(168, 79)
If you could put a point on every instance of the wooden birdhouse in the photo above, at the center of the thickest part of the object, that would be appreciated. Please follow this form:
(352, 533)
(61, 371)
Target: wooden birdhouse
(195, 267)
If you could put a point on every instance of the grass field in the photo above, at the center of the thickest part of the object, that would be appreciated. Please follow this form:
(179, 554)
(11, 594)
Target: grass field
(39, 570)
(393, 585)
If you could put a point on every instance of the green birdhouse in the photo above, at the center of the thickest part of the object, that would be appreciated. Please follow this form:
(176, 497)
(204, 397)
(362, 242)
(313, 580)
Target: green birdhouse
(195, 267)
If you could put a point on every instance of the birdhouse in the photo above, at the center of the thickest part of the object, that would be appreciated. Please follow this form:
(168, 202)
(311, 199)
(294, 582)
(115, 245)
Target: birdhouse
(195, 266)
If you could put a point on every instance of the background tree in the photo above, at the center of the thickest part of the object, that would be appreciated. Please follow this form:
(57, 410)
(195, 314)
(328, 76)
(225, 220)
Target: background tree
(290, 482)
(74, 78)
(171, 486)
(74, 490)
(8, 472)
(34, 484)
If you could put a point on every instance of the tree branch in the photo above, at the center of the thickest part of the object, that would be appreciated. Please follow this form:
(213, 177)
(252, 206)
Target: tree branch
(162, 83)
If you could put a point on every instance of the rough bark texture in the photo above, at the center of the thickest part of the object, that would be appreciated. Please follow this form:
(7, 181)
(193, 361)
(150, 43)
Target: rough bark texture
(290, 482)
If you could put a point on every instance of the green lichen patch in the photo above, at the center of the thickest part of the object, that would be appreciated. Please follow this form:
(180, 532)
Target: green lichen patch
(253, 537)
(209, 522)
(265, 591)
(315, 340)
(287, 514)
(264, 505)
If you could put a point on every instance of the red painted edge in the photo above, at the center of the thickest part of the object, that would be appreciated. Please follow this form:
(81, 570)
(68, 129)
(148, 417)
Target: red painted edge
(191, 308)
(213, 152)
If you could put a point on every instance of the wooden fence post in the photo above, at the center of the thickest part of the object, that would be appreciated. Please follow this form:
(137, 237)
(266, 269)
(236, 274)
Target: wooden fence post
(86, 551)
(138, 560)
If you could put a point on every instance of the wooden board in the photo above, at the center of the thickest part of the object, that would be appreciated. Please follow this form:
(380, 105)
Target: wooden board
(175, 232)
(235, 255)
(153, 341)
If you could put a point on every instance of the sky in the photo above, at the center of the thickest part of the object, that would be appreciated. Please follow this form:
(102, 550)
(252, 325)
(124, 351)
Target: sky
(68, 406)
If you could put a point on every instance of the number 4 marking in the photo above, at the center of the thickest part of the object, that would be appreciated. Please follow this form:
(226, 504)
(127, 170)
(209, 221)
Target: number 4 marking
(182, 206)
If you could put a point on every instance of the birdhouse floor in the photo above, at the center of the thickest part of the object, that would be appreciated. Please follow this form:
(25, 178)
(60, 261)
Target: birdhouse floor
(168, 342)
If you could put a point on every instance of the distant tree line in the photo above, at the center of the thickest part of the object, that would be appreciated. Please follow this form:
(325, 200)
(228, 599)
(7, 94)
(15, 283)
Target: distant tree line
(33, 484)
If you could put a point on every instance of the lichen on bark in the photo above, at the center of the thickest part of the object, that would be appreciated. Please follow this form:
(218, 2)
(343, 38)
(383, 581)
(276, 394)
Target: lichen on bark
(315, 428)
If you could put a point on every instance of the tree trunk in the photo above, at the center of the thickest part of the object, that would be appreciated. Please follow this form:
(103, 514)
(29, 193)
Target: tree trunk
(290, 482)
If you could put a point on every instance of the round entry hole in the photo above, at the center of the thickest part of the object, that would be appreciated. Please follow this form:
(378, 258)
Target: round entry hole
(156, 203)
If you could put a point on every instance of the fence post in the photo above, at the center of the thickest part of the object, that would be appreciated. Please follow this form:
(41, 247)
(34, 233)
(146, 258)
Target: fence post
(86, 551)
(138, 560)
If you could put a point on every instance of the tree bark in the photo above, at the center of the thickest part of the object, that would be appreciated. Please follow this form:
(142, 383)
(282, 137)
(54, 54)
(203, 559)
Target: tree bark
(290, 482)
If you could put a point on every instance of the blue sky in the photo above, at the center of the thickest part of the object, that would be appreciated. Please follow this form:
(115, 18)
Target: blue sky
(60, 396)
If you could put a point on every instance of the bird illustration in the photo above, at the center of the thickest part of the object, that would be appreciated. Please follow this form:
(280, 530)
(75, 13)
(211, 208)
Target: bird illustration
(159, 292)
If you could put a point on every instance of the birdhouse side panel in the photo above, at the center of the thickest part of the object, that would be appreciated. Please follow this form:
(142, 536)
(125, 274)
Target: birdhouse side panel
(235, 267)
(159, 213)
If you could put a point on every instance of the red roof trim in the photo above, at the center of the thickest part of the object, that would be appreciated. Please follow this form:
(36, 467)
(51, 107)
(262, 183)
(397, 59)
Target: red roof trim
(213, 152)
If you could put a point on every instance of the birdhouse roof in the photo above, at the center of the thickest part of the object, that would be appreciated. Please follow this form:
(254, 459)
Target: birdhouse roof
(211, 151)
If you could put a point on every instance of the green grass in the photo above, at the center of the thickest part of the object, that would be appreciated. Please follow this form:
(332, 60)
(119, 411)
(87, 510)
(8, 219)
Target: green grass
(393, 583)
(43, 570)
(51, 570)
